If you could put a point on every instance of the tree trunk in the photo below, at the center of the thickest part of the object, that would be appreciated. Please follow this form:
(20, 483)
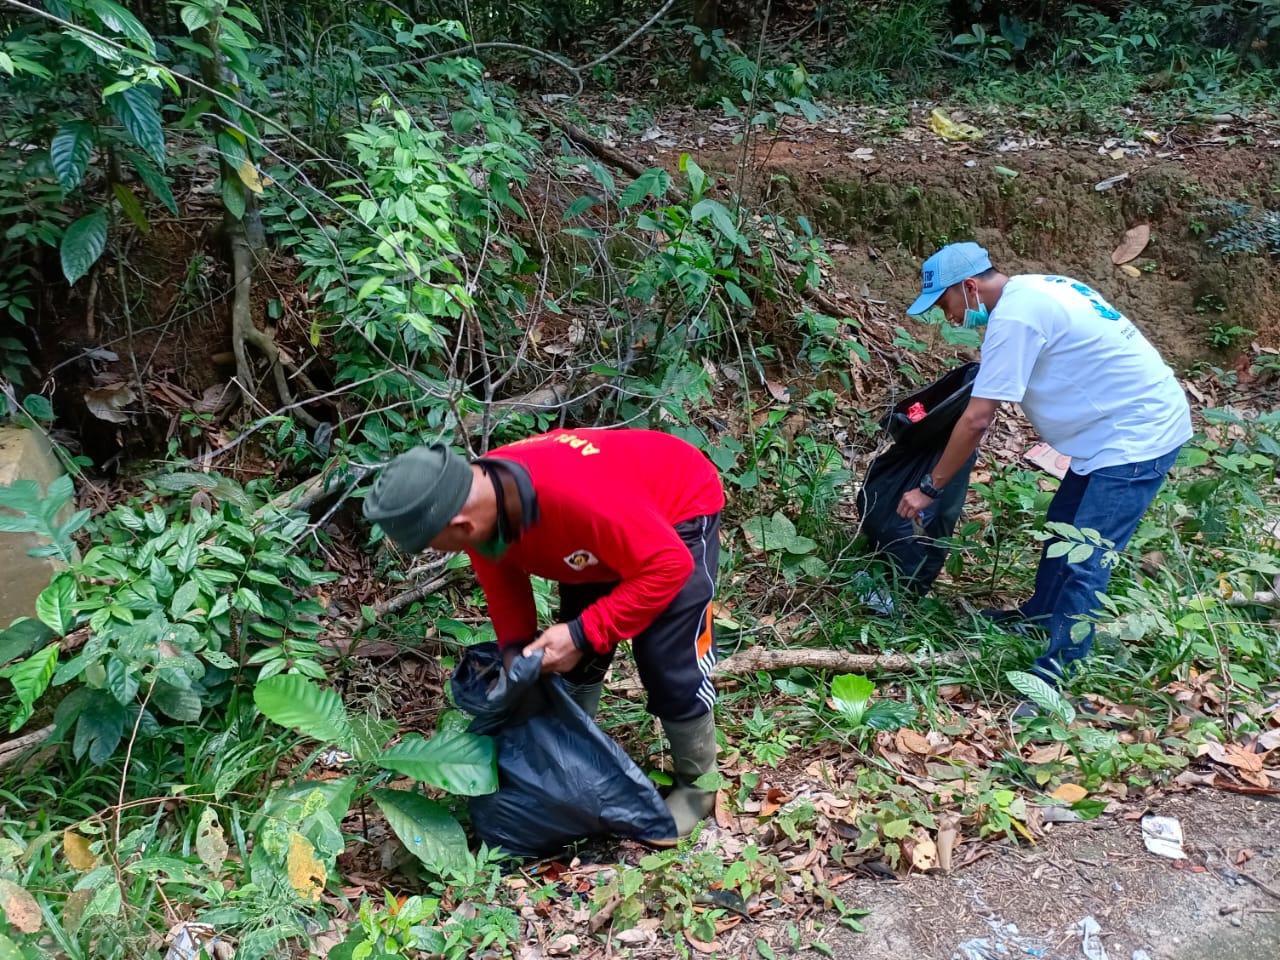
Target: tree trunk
(705, 15)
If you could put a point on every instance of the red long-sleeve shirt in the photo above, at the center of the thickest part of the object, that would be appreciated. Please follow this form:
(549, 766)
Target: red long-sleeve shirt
(608, 502)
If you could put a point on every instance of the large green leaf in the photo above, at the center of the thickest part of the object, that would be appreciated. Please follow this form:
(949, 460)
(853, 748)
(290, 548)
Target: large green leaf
(1042, 695)
(337, 796)
(776, 533)
(82, 245)
(30, 679)
(131, 206)
(195, 17)
(653, 182)
(119, 20)
(294, 701)
(176, 702)
(23, 636)
(425, 828)
(138, 110)
(54, 605)
(888, 715)
(723, 220)
(156, 181)
(852, 692)
(457, 761)
(69, 153)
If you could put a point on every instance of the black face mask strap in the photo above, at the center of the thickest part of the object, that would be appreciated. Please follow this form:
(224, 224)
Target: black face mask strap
(500, 495)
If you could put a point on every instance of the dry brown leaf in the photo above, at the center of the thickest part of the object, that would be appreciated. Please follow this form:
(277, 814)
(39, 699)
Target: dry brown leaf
(924, 854)
(728, 923)
(911, 742)
(76, 849)
(1129, 270)
(724, 816)
(773, 800)
(1070, 793)
(702, 946)
(211, 845)
(1258, 778)
(108, 403)
(564, 945)
(214, 398)
(73, 908)
(307, 875)
(1134, 242)
(778, 391)
(1050, 754)
(1234, 755)
(821, 770)
(20, 907)
(948, 840)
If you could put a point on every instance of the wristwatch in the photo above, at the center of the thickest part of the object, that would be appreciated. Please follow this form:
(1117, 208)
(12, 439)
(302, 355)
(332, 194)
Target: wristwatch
(928, 489)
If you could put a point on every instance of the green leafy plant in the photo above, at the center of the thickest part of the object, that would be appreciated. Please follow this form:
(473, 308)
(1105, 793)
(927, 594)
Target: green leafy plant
(776, 537)
(165, 600)
(852, 695)
(1222, 336)
(429, 926)
(769, 736)
(45, 514)
(453, 760)
(986, 46)
(1077, 544)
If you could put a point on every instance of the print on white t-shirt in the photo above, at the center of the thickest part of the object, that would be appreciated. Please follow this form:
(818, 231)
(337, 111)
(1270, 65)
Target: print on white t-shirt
(1088, 380)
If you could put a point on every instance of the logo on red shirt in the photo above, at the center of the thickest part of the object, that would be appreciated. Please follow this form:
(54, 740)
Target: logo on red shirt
(581, 559)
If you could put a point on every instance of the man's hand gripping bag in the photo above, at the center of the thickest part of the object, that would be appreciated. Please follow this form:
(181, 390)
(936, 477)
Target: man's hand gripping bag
(560, 777)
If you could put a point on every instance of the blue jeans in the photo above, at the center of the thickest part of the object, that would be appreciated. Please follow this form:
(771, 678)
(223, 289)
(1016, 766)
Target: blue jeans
(1112, 501)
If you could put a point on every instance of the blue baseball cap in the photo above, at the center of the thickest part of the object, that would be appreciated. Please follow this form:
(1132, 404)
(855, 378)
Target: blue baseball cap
(950, 265)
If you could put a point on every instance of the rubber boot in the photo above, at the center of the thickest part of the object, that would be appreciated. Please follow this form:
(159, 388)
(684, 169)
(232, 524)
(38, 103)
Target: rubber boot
(586, 695)
(693, 753)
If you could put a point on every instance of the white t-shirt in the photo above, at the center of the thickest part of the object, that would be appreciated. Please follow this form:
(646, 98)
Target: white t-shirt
(1090, 383)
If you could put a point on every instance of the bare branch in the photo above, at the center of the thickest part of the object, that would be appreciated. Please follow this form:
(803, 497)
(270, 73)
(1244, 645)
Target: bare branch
(758, 658)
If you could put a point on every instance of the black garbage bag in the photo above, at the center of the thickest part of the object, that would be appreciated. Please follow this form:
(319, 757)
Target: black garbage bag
(560, 777)
(916, 555)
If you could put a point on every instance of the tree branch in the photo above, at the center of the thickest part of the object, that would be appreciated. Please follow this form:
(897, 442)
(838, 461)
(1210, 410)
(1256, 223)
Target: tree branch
(758, 658)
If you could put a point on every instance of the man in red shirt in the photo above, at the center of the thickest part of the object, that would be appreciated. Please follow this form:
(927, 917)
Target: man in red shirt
(627, 522)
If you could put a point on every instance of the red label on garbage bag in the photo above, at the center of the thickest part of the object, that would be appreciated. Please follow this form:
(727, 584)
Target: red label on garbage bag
(916, 412)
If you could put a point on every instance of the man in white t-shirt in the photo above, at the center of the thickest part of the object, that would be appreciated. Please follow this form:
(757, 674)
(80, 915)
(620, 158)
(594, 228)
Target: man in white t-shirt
(1093, 387)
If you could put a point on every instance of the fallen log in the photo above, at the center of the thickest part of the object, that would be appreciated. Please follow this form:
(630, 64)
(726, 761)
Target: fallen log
(10, 750)
(758, 658)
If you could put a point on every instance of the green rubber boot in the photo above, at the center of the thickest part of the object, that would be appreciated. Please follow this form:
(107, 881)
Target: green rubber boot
(586, 695)
(693, 753)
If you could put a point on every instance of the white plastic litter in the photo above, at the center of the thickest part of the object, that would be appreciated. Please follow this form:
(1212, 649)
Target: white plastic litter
(875, 598)
(1163, 836)
(1091, 940)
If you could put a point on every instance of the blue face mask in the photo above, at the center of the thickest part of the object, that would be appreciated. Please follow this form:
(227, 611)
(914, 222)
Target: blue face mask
(975, 318)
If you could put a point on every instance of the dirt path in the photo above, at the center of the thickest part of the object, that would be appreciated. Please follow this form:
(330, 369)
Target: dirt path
(887, 195)
(1029, 902)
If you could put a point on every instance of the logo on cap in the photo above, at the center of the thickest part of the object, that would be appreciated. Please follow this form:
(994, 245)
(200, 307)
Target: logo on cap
(581, 559)
(928, 278)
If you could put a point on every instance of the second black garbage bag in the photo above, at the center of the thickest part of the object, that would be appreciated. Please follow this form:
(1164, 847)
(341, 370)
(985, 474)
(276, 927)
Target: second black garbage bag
(560, 777)
(920, 426)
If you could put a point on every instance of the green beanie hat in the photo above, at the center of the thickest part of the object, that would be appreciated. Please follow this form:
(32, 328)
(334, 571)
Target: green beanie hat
(417, 494)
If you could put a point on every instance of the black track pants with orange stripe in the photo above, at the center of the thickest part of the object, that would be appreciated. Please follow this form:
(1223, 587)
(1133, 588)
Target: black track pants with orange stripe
(675, 653)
